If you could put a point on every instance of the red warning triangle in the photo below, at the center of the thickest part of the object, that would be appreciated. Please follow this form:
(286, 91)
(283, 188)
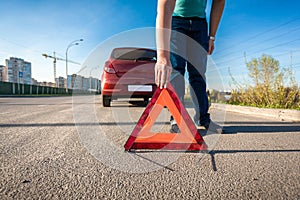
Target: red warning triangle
(142, 138)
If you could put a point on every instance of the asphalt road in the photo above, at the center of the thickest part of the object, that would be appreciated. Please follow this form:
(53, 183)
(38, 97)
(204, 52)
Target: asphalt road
(64, 148)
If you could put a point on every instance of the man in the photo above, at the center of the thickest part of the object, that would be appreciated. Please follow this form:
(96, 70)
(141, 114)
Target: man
(179, 24)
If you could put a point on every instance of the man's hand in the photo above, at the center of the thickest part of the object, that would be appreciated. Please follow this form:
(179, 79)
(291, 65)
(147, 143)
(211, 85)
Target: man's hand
(162, 74)
(211, 47)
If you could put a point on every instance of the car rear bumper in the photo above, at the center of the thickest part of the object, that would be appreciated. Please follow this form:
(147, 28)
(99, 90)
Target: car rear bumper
(121, 91)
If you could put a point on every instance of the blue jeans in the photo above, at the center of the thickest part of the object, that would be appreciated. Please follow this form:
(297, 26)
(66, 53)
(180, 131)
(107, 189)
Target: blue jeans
(189, 46)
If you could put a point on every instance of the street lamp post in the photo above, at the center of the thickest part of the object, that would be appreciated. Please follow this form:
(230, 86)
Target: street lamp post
(73, 43)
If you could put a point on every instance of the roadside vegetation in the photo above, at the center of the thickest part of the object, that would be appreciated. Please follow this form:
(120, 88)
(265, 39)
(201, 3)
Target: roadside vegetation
(269, 86)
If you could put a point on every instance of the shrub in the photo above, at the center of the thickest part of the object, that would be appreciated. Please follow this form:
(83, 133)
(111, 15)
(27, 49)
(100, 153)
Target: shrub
(269, 87)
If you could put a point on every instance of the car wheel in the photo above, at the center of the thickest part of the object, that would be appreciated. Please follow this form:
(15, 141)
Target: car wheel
(106, 101)
(146, 101)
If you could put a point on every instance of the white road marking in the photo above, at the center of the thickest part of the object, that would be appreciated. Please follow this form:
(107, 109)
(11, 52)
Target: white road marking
(5, 113)
(66, 110)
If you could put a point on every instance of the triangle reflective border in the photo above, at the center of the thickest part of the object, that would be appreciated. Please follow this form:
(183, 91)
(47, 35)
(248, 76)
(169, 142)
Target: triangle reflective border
(187, 140)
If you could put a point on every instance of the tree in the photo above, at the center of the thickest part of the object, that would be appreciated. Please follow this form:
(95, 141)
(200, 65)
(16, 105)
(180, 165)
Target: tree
(264, 70)
(267, 87)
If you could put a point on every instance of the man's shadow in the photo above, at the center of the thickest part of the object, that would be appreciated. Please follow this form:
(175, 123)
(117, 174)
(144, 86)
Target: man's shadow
(252, 127)
(214, 152)
(260, 127)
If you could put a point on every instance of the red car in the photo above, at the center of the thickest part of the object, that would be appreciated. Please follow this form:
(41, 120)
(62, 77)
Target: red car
(128, 73)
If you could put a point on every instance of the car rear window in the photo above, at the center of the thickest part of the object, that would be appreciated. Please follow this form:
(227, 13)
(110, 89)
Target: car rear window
(134, 54)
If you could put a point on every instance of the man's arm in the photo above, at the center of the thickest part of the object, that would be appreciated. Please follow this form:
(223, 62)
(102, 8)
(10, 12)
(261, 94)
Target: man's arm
(163, 66)
(215, 17)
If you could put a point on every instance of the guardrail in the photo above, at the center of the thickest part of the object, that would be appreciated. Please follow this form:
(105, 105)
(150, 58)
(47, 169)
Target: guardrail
(7, 88)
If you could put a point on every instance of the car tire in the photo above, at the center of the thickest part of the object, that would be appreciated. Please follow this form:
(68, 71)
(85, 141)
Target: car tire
(146, 101)
(106, 101)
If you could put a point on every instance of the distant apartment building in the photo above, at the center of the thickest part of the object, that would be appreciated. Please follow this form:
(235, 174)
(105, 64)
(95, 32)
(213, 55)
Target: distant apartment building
(71, 81)
(27, 72)
(79, 82)
(3, 73)
(19, 71)
(85, 84)
(1, 69)
(75, 81)
(95, 83)
(46, 84)
(61, 82)
(34, 81)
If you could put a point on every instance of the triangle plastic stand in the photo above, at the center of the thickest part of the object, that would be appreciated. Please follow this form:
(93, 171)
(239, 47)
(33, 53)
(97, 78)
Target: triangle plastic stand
(188, 139)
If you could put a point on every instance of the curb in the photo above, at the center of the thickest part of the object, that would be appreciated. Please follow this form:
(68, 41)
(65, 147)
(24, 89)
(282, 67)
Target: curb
(279, 114)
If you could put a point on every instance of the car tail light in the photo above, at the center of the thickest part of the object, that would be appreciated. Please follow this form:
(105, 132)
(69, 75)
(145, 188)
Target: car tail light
(109, 68)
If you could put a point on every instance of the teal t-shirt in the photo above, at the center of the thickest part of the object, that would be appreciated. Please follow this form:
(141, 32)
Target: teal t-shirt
(190, 8)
